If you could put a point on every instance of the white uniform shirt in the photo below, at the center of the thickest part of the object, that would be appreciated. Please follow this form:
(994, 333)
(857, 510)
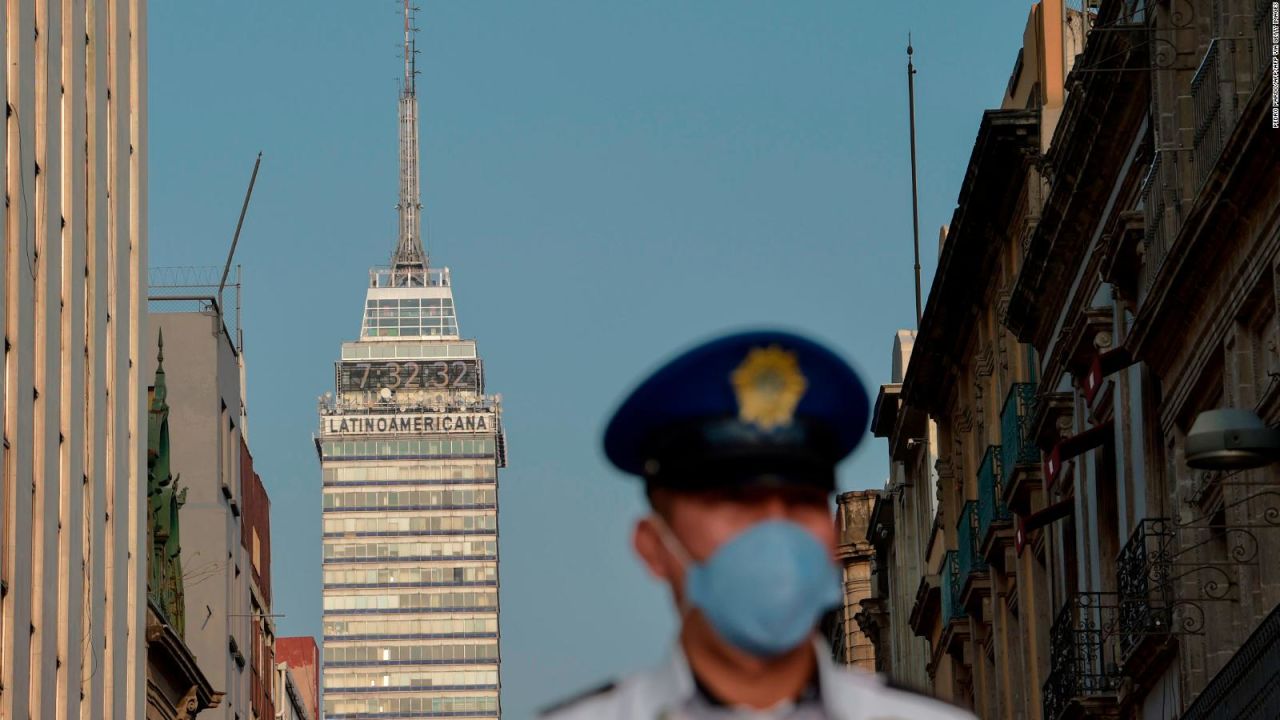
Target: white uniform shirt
(669, 693)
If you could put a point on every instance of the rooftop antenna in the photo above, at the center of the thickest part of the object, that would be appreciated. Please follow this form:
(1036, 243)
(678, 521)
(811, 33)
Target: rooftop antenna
(915, 203)
(239, 341)
(409, 253)
(235, 239)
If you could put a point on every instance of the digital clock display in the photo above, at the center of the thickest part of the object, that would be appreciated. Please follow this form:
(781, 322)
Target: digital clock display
(410, 375)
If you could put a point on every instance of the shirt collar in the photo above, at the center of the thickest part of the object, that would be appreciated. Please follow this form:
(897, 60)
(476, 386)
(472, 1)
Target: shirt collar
(675, 683)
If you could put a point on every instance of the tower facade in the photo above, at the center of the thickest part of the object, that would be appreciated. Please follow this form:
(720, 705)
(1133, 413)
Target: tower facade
(410, 444)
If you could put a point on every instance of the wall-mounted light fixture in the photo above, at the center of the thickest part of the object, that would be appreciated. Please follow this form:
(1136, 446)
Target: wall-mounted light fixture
(1231, 439)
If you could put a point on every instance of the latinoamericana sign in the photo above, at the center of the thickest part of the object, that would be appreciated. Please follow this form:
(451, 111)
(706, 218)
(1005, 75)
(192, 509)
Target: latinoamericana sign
(407, 424)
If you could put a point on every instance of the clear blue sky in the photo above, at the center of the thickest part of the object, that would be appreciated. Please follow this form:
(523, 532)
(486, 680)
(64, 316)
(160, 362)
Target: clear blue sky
(610, 181)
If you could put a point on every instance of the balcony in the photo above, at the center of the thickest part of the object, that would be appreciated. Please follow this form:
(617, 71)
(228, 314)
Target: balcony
(1247, 686)
(993, 513)
(951, 607)
(1144, 581)
(1160, 217)
(956, 631)
(971, 567)
(1020, 472)
(1083, 675)
(1207, 98)
(1221, 86)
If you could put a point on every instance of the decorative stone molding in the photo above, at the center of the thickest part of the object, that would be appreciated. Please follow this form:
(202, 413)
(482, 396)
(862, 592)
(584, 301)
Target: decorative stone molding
(944, 468)
(984, 361)
(189, 705)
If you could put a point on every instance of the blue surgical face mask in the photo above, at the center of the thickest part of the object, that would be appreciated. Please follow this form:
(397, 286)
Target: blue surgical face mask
(764, 590)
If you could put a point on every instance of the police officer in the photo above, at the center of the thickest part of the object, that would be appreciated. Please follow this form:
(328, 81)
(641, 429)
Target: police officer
(737, 442)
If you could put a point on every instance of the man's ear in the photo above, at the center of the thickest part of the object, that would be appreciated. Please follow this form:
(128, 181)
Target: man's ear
(646, 539)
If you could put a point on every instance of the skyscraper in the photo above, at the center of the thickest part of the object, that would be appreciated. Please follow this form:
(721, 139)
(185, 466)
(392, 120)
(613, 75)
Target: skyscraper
(73, 401)
(410, 445)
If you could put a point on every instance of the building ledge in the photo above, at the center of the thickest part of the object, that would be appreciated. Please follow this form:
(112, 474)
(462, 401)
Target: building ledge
(885, 415)
(1007, 142)
(927, 605)
(175, 684)
(1089, 142)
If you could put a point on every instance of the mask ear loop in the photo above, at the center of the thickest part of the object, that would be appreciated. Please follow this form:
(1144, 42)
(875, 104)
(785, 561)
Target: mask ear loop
(673, 545)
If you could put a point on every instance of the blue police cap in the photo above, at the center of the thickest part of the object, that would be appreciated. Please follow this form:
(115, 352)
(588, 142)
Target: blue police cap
(762, 407)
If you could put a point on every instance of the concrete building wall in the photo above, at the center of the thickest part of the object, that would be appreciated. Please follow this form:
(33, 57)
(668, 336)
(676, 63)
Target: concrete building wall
(72, 279)
(292, 704)
(302, 658)
(255, 542)
(204, 425)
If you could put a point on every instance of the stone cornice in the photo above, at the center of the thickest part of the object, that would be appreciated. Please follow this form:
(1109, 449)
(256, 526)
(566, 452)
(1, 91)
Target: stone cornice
(1007, 143)
(1095, 128)
(168, 654)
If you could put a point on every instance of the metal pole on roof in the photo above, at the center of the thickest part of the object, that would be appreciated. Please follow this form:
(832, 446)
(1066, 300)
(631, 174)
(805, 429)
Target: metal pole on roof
(915, 203)
(235, 239)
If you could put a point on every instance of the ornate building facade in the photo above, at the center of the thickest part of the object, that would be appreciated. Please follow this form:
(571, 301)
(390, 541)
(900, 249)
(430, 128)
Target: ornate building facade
(176, 688)
(850, 645)
(1109, 277)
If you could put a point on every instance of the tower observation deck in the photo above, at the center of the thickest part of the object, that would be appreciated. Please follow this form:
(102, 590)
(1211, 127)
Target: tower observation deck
(410, 444)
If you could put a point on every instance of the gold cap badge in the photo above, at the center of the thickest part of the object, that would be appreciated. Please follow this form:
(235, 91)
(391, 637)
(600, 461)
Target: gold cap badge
(768, 385)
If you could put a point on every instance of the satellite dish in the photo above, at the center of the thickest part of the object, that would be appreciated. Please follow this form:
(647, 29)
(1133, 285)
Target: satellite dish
(385, 393)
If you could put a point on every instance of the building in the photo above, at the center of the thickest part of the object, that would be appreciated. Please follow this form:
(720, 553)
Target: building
(1164, 196)
(901, 515)
(298, 678)
(410, 445)
(73, 401)
(255, 544)
(1108, 277)
(957, 418)
(225, 505)
(850, 645)
(176, 688)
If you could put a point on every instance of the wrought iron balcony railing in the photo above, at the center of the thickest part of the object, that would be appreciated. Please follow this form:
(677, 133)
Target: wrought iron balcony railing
(1082, 654)
(968, 559)
(1169, 570)
(991, 506)
(1222, 84)
(1160, 217)
(1017, 446)
(1207, 98)
(951, 607)
(1144, 581)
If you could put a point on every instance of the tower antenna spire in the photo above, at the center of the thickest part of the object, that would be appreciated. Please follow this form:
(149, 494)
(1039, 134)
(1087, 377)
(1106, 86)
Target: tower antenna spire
(409, 48)
(409, 252)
